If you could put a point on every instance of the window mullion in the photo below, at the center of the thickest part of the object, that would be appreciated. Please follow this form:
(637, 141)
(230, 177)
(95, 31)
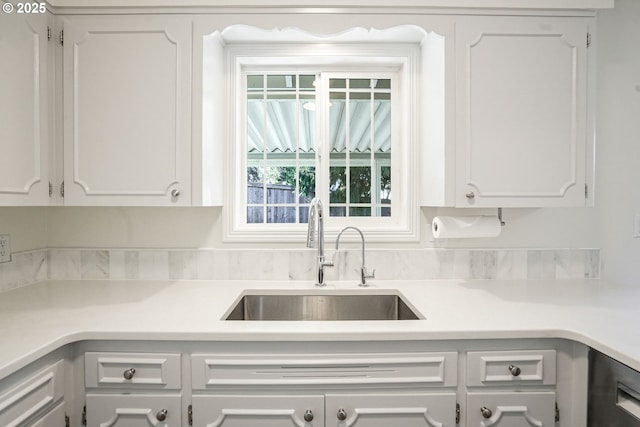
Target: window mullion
(348, 147)
(372, 147)
(265, 145)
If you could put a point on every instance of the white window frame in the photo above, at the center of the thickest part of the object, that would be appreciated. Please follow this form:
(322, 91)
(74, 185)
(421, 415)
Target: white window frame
(404, 58)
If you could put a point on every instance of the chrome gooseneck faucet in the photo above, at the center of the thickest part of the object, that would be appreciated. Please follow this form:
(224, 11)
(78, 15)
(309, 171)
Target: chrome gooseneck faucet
(316, 222)
(364, 275)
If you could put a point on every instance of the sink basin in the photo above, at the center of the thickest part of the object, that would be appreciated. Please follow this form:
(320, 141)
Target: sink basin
(321, 306)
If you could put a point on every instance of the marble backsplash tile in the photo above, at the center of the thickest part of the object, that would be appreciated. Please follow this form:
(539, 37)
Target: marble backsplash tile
(253, 264)
(24, 269)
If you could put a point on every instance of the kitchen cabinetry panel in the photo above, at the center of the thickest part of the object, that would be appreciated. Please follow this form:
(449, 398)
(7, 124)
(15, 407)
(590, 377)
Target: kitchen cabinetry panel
(24, 131)
(511, 409)
(258, 411)
(383, 410)
(134, 410)
(512, 368)
(432, 369)
(522, 128)
(33, 398)
(133, 370)
(127, 110)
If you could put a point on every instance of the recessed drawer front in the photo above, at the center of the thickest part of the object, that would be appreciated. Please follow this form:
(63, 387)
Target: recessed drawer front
(134, 370)
(39, 392)
(535, 367)
(426, 369)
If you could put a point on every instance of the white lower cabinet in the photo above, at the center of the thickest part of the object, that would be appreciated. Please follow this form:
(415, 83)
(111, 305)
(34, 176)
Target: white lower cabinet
(511, 388)
(134, 410)
(53, 418)
(511, 409)
(258, 410)
(132, 389)
(37, 400)
(329, 384)
(383, 410)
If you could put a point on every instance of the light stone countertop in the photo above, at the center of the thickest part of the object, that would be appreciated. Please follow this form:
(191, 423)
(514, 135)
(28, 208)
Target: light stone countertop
(40, 318)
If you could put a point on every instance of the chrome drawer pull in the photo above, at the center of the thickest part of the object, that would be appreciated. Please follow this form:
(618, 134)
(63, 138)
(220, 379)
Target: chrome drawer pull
(486, 412)
(308, 415)
(161, 415)
(342, 414)
(515, 371)
(128, 374)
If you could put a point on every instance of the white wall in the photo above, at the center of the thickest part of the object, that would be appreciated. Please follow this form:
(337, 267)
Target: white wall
(26, 226)
(608, 226)
(201, 228)
(618, 141)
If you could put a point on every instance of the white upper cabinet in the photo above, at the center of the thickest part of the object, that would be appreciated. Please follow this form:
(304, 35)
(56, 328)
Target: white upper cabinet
(24, 130)
(127, 100)
(522, 131)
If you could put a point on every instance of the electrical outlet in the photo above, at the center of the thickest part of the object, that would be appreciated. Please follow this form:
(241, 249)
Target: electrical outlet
(5, 248)
(636, 226)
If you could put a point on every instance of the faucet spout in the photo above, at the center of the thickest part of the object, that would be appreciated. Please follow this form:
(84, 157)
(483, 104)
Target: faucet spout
(364, 275)
(315, 231)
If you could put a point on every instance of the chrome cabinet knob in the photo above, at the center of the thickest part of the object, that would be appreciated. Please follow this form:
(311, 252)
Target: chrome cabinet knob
(515, 371)
(342, 414)
(161, 415)
(308, 415)
(486, 412)
(175, 193)
(470, 195)
(129, 373)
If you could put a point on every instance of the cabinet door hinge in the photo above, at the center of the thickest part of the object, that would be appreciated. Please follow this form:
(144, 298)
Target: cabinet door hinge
(457, 413)
(62, 37)
(62, 189)
(50, 189)
(84, 415)
(557, 413)
(586, 191)
(67, 423)
(588, 39)
(190, 414)
(48, 33)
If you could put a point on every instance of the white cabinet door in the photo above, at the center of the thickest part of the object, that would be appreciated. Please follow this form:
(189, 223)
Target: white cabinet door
(54, 418)
(127, 83)
(384, 410)
(24, 131)
(258, 411)
(33, 396)
(131, 410)
(521, 94)
(511, 409)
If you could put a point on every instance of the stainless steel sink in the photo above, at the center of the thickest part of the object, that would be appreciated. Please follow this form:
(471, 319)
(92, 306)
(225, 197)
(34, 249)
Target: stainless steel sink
(322, 306)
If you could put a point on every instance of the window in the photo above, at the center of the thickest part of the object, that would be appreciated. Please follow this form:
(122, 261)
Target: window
(330, 117)
(281, 159)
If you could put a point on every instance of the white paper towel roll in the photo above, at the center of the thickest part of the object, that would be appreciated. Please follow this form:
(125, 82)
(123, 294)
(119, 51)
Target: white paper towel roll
(457, 227)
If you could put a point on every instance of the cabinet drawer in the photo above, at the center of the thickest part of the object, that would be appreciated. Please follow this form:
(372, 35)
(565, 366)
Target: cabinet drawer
(425, 369)
(511, 409)
(32, 396)
(535, 367)
(129, 410)
(133, 370)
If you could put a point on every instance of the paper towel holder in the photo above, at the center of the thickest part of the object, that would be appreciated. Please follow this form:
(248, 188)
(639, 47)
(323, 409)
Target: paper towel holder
(502, 223)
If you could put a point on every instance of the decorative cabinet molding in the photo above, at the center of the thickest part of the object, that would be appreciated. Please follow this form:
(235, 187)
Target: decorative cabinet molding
(24, 126)
(521, 121)
(33, 399)
(522, 409)
(135, 410)
(127, 100)
(376, 410)
(258, 410)
(133, 370)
